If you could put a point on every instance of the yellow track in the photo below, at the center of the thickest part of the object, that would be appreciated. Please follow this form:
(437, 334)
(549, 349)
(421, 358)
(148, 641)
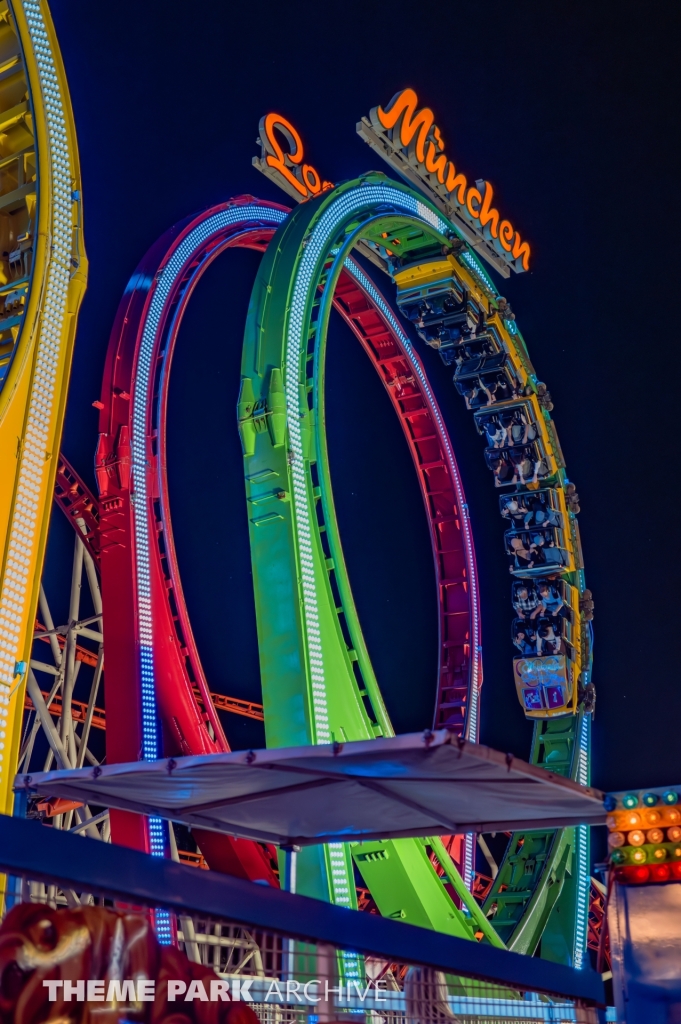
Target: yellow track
(42, 279)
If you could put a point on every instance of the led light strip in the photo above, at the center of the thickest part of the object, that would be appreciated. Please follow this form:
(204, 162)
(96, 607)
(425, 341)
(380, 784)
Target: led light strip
(165, 284)
(582, 844)
(318, 244)
(478, 272)
(16, 585)
(472, 719)
(195, 241)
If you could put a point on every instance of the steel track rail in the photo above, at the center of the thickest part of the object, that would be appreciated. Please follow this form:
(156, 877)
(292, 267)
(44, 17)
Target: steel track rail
(317, 680)
(370, 320)
(362, 307)
(153, 665)
(296, 606)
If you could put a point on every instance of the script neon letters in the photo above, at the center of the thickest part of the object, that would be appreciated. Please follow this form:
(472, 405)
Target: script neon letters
(423, 144)
(303, 177)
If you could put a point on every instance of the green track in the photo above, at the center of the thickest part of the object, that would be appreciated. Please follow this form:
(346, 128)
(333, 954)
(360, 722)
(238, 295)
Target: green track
(318, 684)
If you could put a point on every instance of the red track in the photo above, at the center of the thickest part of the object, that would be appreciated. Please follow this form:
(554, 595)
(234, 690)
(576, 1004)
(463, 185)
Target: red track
(457, 600)
(181, 687)
(187, 727)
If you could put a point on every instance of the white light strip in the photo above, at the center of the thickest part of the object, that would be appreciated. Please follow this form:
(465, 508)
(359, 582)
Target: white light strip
(187, 249)
(318, 245)
(478, 272)
(25, 525)
(583, 884)
(340, 881)
(472, 725)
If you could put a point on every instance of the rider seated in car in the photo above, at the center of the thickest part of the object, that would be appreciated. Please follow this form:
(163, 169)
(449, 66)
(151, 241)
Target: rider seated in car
(526, 602)
(547, 641)
(474, 390)
(514, 509)
(550, 603)
(496, 433)
(523, 558)
(526, 642)
(504, 472)
(539, 511)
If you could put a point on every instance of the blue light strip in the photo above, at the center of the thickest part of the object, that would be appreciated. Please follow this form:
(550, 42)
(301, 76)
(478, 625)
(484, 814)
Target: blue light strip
(248, 216)
(318, 245)
(474, 265)
(583, 881)
(319, 242)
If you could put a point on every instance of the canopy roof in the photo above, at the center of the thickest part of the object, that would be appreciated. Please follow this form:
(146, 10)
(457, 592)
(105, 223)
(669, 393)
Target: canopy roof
(418, 784)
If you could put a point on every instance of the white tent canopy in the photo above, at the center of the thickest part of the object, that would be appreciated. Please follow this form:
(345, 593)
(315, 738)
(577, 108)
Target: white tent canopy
(419, 784)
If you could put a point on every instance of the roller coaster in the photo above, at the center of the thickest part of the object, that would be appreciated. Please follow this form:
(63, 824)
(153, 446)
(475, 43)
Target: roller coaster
(318, 684)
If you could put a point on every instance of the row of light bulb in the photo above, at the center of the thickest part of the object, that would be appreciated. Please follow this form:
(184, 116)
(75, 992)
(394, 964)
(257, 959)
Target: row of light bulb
(645, 836)
(32, 463)
(297, 343)
(163, 288)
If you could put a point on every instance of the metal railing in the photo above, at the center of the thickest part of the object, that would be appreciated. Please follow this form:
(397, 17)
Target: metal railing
(292, 959)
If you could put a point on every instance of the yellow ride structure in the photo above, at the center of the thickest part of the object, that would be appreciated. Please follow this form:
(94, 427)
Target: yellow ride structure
(43, 273)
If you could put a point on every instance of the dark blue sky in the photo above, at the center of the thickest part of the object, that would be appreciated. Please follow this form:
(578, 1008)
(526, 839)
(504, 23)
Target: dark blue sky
(569, 109)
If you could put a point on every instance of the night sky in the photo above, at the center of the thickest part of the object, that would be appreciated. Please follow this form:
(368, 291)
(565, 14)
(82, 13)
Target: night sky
(569, 110)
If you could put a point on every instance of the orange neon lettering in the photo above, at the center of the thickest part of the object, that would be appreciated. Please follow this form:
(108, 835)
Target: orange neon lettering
(470, 196)
(403, 105)
(457, 182)
(277, 160)
(312, 179)
(434, 166)
(521, 249)
(416, 129)
(488, 214)
(506, 233)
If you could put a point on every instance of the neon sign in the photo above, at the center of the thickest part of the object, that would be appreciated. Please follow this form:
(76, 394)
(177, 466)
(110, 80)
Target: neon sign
(409, 140)
(285, 167)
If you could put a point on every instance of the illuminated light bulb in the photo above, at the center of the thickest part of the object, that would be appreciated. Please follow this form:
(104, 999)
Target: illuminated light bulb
(630, 800)
(639, 875)
(653, 817)
(639, 856)
(649, 799)
(670, 797)
(632, 820)
(660, 853)
(615, 839)
(674, 834)
(673, 816)
(655, 835)
(675, 870)
(636, 838)
(660, 872)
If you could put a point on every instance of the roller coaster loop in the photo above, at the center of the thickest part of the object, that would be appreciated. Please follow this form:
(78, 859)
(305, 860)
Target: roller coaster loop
(316, 685)
(318, 682)
(176, 663)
